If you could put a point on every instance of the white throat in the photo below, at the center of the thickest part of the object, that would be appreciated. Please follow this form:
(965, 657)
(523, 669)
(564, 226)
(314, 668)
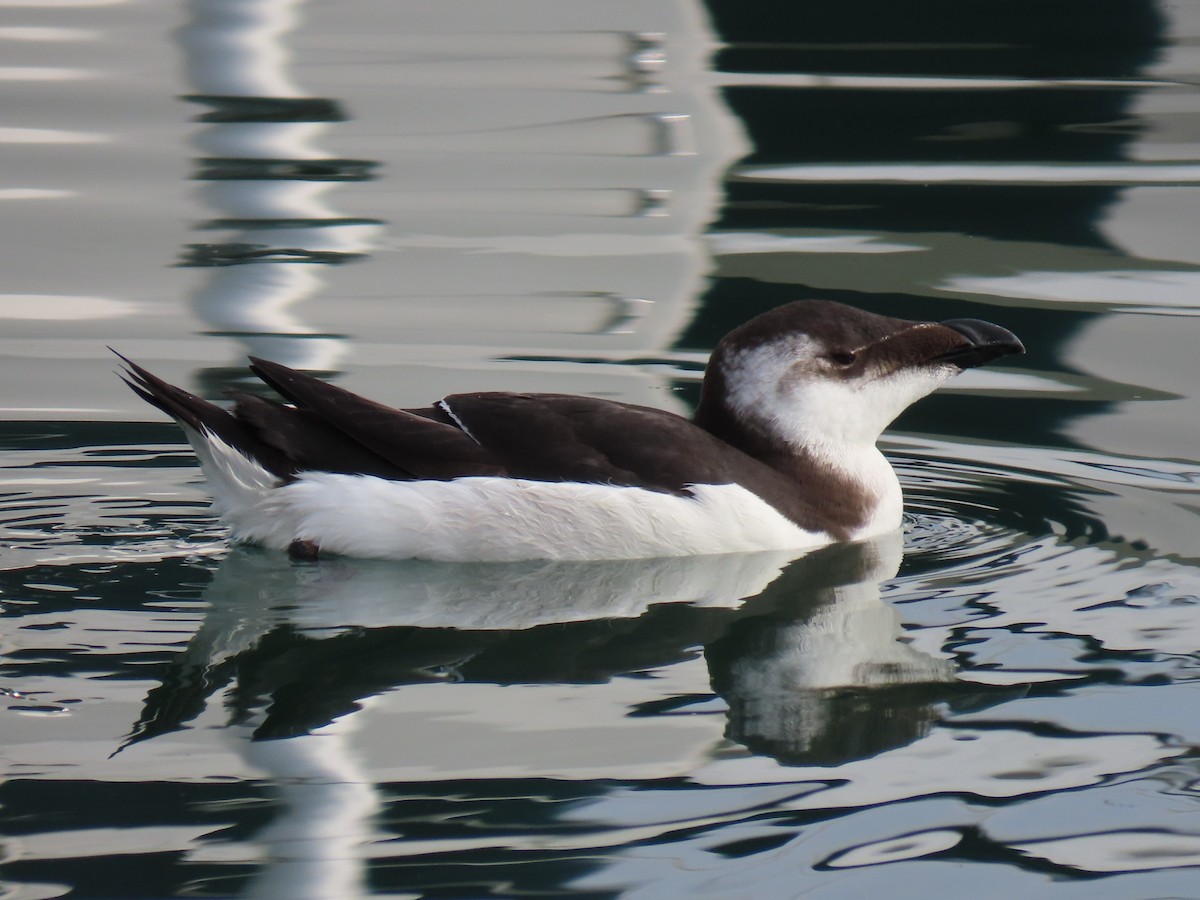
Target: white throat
(786, 388)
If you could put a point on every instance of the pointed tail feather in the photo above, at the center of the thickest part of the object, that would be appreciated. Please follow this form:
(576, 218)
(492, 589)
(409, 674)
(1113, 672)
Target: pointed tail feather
(185, 408)
(201, 418)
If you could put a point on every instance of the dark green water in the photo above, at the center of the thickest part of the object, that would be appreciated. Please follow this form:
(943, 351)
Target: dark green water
(426, 198)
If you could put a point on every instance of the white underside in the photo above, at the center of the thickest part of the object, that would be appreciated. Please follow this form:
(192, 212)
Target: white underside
(492, 519)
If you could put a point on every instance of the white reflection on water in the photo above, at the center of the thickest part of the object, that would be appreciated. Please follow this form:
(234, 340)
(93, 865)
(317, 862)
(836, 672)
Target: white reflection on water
(10, 135)
(1119, 851)
(56, 4)
(979, 173)
(48, 307)
(823, 81)
(43, 73)
(254, 148)
(730, 242)
(255, 590)
(328, 805)
(1133, 290)
(45, 33)
(955, 760)
(34, 194)
(909, 846)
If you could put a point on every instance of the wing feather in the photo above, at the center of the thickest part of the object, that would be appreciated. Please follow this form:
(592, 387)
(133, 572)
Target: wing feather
(558, 437)
(416, 442)
(540, 437)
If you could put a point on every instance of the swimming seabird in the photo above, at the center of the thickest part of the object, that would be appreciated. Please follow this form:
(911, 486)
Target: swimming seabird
(780, 454)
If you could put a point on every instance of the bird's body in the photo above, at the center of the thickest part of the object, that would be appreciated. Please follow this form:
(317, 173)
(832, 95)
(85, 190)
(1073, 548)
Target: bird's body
(780, 454)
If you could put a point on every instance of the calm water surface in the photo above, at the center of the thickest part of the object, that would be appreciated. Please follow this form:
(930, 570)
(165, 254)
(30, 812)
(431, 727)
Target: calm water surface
(421, 198)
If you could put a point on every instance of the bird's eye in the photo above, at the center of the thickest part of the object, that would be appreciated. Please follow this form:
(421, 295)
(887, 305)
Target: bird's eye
(843, 358)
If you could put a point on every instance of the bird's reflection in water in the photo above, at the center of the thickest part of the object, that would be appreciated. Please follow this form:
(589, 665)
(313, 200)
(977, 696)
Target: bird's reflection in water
(823, 677)
(804, 651)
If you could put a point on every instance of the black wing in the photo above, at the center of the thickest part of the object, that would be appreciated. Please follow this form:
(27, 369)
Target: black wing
(542, 437)
(288, 440)
(421, 443)
(559, 437)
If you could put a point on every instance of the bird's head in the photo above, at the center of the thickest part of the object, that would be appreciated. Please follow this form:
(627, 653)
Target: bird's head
(825, 378)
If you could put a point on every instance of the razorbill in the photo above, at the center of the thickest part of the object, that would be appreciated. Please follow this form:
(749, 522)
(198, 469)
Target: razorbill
(780, 453)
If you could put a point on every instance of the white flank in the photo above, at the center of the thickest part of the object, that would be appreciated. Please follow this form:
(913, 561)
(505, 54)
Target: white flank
(504, 519)
(488, 519)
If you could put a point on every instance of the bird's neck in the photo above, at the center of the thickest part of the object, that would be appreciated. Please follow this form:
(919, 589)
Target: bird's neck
(843, 470)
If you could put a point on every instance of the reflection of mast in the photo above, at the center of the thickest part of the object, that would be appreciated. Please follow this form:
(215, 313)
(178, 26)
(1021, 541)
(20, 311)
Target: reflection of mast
(266, 181)
(316, 849)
